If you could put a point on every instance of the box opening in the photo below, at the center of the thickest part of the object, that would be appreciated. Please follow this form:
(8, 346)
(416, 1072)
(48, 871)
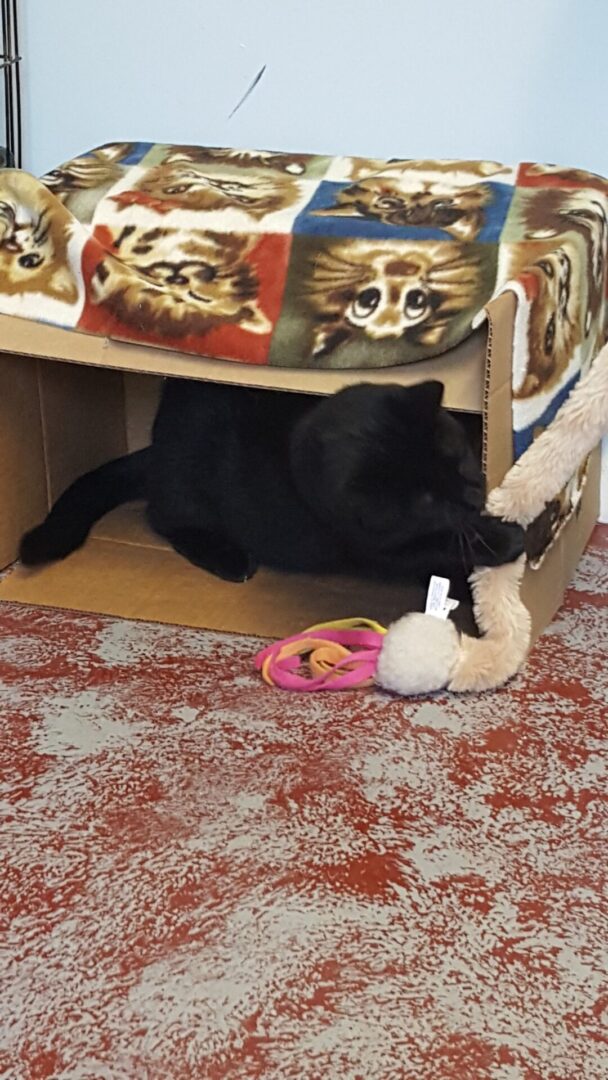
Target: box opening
(88, 416)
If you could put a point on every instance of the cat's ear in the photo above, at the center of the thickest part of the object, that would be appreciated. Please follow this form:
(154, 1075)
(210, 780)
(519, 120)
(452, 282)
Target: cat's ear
(337, 211)
(466, 227)
(62, 285)
(112, 152)
(327, 338)
(254, 321)
(427, 395)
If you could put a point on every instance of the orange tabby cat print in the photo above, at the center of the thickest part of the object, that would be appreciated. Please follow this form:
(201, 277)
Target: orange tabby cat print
(472, 170)
(397, 200)
(553, 284)
(176, 285)
(549, 213)
(33, 241)
(182, 185)
(293, 164)
(98, 169)
(389, 289)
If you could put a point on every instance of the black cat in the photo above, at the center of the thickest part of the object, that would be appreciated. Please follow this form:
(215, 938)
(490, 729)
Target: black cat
(375, 480)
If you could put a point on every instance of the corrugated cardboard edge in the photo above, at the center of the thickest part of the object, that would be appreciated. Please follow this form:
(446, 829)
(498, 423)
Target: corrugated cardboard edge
(460, 369)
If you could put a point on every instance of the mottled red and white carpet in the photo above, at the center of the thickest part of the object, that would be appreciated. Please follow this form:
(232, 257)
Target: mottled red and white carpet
(202, 877)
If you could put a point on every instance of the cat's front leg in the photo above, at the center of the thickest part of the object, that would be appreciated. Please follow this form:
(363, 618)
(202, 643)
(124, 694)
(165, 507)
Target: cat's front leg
(213, 552)
(493, 542)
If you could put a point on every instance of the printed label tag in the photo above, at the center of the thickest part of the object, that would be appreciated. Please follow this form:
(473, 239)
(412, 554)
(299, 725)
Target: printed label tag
(436, 597)
(438, 601)
(450, 605)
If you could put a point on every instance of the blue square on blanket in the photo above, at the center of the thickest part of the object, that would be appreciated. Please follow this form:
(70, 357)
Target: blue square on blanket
(363, 218)
(523, 437)
(136, 153)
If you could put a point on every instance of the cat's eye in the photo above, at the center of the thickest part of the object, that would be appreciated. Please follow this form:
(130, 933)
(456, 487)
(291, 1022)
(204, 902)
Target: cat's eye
(177, 189)
(366, 302)
(546, 268)
(416, 301)
(30, 262)
(550, 335)
(388, 202)
(206, 273)
(230, 187)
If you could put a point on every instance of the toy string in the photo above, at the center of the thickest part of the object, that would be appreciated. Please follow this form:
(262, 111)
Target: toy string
(337, 655)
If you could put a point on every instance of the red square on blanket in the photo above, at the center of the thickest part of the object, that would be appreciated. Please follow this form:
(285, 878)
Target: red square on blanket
(532, 175)
(233, 321)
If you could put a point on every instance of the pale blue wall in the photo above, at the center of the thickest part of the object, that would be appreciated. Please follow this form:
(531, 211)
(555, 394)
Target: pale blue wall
(506, 79)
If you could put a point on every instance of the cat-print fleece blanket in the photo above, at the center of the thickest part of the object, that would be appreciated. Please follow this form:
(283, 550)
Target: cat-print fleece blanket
(308, 261)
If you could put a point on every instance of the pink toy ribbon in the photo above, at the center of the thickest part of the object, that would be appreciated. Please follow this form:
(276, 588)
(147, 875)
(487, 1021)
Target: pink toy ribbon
(333, 660)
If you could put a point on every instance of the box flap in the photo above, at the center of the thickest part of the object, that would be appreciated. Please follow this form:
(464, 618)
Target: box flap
(460, 369)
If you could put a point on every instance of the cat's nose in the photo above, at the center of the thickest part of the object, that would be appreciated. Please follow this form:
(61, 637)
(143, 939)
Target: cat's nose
(387, 324)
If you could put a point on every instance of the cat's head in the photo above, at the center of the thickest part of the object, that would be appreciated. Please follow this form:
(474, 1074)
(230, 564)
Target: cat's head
(387, 467)
(181, 184)
(456, 210)
(98, 169)
(172, 289)
(33, 255)
(293, 164)
(389, 291)
(554, 328)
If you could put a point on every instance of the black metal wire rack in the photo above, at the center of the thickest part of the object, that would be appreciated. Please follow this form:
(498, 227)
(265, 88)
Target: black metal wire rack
(10, 141)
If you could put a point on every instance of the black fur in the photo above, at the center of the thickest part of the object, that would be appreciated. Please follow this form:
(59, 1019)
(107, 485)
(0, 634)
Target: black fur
(88, 499)
(379, 481)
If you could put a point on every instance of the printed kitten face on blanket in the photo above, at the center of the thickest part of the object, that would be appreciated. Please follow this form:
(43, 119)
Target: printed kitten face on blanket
(467, 171)
(34, 251)
(554, 211)
(176, 285)
(293, 164)
(96, 170)
(184, 185)
(389, 290)
(398, 201)
(553, 283)
(559, 319)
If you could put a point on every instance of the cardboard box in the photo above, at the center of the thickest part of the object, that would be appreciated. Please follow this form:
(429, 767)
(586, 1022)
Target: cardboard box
(69, 402)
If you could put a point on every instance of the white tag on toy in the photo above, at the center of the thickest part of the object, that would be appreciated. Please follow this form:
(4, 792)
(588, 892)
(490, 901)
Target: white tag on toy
(438, 601)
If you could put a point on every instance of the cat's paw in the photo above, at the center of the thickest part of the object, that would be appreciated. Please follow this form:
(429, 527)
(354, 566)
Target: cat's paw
(238, 568)
(214, 553)
(497, 542)
(45, 544)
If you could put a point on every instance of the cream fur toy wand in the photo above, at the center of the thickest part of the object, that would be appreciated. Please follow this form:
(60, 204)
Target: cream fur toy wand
(421, 653)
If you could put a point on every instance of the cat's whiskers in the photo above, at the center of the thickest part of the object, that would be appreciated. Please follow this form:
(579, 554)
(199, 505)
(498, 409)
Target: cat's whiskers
(477, 536)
